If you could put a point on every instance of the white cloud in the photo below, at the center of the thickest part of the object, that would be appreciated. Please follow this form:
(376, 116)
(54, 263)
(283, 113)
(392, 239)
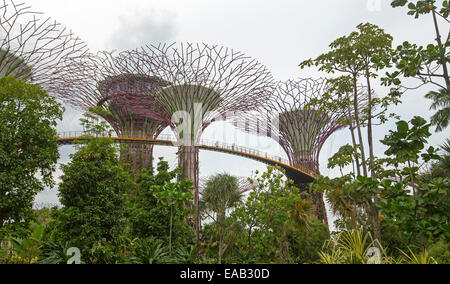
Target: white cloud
(141, 27)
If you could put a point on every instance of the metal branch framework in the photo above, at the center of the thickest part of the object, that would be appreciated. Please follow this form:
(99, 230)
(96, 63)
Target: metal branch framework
(34, 48)
(299, 127)
(207, 82)
(294, 120)
(110, 82)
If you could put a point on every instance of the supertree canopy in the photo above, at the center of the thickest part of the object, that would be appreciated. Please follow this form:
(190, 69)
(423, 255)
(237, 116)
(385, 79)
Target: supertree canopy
(33, 47)
(303, 130)
(208, 83)
(299, 127)
(106, 84)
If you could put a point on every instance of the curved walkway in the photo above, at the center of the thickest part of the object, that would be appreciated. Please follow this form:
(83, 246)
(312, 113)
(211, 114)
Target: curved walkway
(297, 174)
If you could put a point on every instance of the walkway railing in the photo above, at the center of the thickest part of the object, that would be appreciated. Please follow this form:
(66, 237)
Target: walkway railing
(203, 143)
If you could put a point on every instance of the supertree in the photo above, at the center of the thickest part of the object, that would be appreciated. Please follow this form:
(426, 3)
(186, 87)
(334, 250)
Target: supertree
(299, 126)
(33, 47)
(201, 84)
(106, 84)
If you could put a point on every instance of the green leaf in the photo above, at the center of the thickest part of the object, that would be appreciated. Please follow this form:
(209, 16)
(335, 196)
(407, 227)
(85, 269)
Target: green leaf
(402, 126)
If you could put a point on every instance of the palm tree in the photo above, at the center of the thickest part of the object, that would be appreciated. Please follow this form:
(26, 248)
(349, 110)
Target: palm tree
(303, 210)
(441, 103)
(440, 168)
(343, 205)
(220, 194)
(445, 162)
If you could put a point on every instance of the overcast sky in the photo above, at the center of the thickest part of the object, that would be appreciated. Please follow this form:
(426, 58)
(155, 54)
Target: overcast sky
(278, 33)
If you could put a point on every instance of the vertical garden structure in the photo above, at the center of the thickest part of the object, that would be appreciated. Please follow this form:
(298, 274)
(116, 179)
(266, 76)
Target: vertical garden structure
(208, 83)
(33, 47)
(117, 92)
(299, 127)
(109, 85)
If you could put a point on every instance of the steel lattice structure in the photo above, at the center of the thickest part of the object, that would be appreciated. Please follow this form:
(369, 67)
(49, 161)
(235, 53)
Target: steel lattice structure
(33, 47)
(110, 83)
(300, 128)
(184, 86)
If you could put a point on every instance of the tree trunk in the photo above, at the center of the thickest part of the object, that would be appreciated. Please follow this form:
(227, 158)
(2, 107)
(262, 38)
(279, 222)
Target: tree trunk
(170, 230)
(352, 131)
(358, 126)
(220, 220)
(369, 127)
(411, 176)
(250, 242)
(285, 246)
(374, 218)
(321, 211)
(442, 54)
(358, 165)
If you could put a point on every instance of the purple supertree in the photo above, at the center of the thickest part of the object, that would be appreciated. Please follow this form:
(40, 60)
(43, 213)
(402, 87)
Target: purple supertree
(208, 83)
(100, 83)
(34, 48)
(299, 127)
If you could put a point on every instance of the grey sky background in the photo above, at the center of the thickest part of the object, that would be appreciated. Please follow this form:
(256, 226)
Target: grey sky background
(278, 33)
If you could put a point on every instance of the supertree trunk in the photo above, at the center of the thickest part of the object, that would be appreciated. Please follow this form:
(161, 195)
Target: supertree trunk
(188, 164)
(138, 156)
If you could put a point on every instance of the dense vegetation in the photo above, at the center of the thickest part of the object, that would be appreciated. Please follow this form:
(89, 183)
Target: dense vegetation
(389, 209)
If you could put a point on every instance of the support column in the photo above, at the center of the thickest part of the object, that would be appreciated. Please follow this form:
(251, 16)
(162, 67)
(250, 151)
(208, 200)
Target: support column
(138, 156)
(188, 165)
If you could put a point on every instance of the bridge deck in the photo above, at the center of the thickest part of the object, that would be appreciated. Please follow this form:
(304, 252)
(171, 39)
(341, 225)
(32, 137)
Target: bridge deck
(299, 175)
